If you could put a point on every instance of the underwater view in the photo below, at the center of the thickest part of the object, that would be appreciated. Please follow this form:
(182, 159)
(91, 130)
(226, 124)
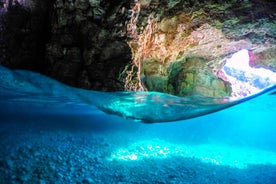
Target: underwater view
(137, 92)
(53, 133)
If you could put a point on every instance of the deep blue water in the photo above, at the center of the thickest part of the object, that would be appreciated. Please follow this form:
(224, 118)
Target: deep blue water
(52, 133)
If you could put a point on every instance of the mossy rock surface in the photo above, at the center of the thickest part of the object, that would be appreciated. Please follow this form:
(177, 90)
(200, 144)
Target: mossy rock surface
(190, 76)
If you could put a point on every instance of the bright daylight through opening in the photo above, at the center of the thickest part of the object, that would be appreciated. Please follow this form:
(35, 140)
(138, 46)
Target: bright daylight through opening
(246, 80)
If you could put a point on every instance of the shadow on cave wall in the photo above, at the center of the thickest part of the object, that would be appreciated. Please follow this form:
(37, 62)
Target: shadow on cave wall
(24, 34)
(75, 42)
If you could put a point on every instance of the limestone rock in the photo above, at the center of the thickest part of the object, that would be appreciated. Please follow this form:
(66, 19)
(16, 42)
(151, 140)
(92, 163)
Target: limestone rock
(154, 76)
(190, 76)
(195, 77)
(264, 59)
(211, 30)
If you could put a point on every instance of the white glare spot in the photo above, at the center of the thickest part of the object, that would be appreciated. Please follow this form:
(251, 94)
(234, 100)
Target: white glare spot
(133, 156)
(244, 79)
(239, 60)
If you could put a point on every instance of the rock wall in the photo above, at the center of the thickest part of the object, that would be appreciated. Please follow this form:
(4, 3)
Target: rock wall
(173, 46)
(79, 42)
(88, 47)
(24, 33)
(167, 33)
(190, 76)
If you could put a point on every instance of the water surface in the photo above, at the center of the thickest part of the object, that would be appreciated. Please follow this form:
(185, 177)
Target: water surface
(52, 133)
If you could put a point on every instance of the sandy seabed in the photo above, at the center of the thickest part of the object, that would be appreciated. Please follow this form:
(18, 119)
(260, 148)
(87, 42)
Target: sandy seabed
(31, 155)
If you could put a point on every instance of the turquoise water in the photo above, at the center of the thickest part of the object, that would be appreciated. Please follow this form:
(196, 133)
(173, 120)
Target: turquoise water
(52, 133)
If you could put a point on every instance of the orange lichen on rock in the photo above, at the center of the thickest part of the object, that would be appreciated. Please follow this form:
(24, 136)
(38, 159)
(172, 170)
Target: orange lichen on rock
(159, 40)
(163, 40)
(177, 37)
